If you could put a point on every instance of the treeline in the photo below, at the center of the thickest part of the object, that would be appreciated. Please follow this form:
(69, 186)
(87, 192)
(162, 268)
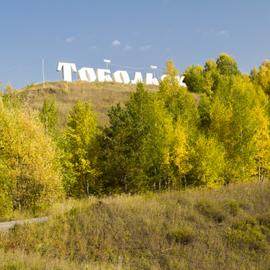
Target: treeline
(170, 139)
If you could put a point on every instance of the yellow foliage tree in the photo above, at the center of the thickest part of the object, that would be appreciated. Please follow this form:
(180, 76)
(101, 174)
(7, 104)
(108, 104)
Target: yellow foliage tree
(263, 76)
(30, 159)
(180, 152)
(208, 162)
(262, 143)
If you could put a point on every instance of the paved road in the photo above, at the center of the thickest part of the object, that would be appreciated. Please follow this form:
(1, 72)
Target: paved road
(5, 226)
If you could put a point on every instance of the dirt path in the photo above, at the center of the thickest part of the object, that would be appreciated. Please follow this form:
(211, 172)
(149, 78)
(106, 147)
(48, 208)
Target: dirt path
(5, 226)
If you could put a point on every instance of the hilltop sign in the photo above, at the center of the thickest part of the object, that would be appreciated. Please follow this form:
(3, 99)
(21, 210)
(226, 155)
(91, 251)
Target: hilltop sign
(105, 75)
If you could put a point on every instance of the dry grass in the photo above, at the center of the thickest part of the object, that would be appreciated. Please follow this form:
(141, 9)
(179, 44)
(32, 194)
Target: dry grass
(227, 228)
(18, 260)
(101, 95)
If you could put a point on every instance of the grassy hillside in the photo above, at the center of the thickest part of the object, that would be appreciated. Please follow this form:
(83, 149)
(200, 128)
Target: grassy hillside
(101, 95)
(206, 229)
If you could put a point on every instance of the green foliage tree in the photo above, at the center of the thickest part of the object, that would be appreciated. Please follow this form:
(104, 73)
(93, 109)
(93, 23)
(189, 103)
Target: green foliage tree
(211, 77)
(227, 65)
(262, 76)
(49, 116)
(205, 80)
(194, 79)
(204, 112)
(80, 151)
(177, 100)
(137, 145)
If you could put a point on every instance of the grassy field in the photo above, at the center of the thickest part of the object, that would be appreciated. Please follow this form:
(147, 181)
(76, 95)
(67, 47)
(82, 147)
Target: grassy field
(101, 95)
(228, 228)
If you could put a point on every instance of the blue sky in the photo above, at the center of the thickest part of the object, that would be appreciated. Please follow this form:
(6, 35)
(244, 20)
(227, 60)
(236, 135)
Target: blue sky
(130, 33)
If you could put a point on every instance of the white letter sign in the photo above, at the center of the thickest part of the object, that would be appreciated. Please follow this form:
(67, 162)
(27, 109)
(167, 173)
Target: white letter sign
(104, 75)
(67, 69)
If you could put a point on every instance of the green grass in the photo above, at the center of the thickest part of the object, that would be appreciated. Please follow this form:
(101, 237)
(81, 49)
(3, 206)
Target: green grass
(228, 228)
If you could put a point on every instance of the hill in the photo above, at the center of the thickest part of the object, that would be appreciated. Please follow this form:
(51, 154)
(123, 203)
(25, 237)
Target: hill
(228, 228)
(101, 95)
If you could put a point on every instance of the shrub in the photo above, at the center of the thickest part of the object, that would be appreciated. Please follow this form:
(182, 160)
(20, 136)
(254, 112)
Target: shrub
(264, 222)
(210, 211)
(183, 235)
(232, 207)
(247, 234)
(264, 219)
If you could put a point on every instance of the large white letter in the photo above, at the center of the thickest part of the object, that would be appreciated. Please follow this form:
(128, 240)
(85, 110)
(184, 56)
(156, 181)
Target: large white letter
(150, 79)
(181, 81)
(87, 74)
(137, 78)
(121, 76)
(163, 77)
(67, 69)
(103, 75)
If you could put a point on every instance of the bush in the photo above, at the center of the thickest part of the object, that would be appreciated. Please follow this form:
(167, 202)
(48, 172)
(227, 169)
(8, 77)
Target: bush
(232, 207)
(264, 219)
(209, 210)
(183, 235)
(247, 234)
(264, 222)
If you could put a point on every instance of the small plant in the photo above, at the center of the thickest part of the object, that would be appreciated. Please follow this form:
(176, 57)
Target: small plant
(209, 210)
(247, 234)
(232, 207)
(183, 235)
(264, 219)
(264, 222)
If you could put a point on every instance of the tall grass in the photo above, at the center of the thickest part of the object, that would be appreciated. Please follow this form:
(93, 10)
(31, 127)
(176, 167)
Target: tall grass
(227, 228)
(18, 260)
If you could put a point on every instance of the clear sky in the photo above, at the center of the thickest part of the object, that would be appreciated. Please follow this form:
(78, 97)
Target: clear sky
(134, 33)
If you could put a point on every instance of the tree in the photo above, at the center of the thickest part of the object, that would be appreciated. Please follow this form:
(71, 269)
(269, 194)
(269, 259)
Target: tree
(194, 79)
(80, 151)
(170, 86)
(49, 115)
(202, 80)
(137, 145)
(207, 163)
(262, 76)
(261, 142)
(227, 65)
(6, 187)
(30, 176)
(180, 155)
(234, 123)
(177, 100)
(204, 112)
(211, 77)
